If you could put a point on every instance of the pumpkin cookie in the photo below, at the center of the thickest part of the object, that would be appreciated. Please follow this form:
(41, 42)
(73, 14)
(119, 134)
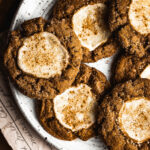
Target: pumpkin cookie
(129, 67)
(43, 58)
(131, 20)
(124, 116)
(88, 19)
(72, 113)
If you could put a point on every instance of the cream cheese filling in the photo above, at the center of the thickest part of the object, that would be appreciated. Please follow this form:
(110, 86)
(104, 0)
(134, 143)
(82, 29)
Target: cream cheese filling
(89, 24)
(134, 119)
(75, 108)
(42, 55)
(146, 73)
(139, 15)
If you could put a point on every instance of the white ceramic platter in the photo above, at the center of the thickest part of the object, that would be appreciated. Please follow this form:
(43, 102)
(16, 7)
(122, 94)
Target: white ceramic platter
(35, 8)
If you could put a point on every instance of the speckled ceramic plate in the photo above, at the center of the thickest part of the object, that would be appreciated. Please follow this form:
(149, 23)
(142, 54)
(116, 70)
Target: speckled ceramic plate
(35, 8)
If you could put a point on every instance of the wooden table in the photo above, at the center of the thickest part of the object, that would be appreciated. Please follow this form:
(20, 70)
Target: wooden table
(7, 9)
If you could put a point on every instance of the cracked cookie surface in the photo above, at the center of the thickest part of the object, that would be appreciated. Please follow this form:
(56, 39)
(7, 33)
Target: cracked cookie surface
(130, 67)
(41, 60)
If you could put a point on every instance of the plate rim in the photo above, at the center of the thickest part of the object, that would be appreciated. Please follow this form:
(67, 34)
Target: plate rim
(15, 15)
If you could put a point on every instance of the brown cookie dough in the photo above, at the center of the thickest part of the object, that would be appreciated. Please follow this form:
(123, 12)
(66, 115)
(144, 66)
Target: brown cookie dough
(132, 25)
(124, 116)
(129, 67)
(49, 118)
(45, 86)
(68, 9)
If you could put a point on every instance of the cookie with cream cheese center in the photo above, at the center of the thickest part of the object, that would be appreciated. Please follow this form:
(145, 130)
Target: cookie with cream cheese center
(123, 116)
(130, 20)
(42, 55)
(89, 21)
(72, 113)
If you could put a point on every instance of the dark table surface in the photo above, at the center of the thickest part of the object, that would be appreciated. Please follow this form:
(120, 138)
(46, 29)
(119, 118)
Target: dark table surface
(3, 143)
(7, 10)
